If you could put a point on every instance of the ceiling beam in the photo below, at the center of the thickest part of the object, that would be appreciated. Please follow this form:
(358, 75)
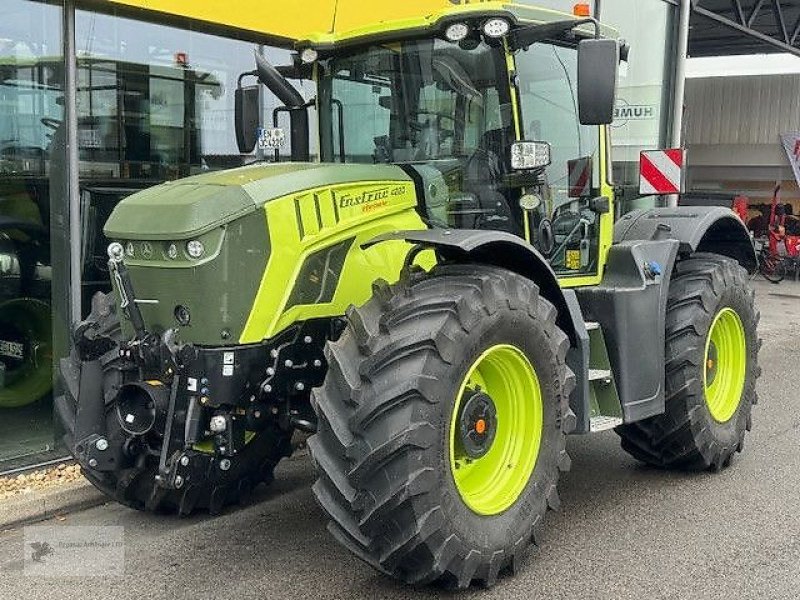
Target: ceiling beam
(778, 12)
(754, 13)
(785, 41)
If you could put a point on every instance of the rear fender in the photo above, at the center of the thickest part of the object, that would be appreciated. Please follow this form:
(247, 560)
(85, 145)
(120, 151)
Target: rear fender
(697, 229)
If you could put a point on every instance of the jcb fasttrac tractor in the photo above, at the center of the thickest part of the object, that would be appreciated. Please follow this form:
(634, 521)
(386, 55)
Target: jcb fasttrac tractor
(438, 300)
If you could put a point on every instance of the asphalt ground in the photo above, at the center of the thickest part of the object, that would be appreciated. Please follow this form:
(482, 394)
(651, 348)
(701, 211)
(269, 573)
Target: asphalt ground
(624, 530)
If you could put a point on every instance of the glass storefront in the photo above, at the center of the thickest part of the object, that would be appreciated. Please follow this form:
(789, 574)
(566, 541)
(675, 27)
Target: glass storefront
(32, 154)
(644, 101)
(154, 103)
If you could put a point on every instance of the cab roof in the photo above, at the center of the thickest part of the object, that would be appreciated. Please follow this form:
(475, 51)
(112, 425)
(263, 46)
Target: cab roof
(350, 27)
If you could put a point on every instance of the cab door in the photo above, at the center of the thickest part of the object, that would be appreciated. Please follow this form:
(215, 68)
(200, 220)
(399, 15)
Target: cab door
(573, 226)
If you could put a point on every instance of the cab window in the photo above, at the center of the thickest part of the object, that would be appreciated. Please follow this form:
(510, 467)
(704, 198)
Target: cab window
(547, 76)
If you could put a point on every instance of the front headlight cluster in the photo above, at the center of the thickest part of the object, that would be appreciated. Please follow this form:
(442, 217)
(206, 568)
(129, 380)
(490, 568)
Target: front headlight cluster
(194, 249)
(494, 28)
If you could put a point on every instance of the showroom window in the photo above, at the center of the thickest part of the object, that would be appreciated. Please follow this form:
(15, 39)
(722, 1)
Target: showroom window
(155, 103)
(644, 100)
(32, 202)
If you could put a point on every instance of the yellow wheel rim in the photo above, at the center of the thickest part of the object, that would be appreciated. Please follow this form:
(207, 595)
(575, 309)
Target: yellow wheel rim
(499, 403)
(725, 367)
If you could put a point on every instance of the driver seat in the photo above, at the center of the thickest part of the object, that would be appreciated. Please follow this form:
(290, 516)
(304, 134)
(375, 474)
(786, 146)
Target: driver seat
(484, 179)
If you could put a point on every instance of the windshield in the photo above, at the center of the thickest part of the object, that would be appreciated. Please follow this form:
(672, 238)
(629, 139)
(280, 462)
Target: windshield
(443, 112)
(420, 100)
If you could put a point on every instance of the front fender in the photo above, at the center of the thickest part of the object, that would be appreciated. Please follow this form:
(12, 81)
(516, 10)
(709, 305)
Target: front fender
(497, 248)
(697, 228)
(507, 251)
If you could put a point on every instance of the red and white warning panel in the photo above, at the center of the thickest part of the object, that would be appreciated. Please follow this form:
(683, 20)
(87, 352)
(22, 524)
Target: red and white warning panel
(580, 177)
(661, 171)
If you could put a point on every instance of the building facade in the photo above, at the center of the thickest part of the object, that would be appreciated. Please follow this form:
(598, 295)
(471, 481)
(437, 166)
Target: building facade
(99, 100)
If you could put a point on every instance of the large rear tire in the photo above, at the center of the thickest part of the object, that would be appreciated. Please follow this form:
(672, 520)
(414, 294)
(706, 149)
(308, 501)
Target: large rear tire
(711, 369)
(136, 486)
(442, 425)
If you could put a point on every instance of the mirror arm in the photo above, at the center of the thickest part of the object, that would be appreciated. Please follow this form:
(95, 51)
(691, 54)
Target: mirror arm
(245, 74)
(277, 83)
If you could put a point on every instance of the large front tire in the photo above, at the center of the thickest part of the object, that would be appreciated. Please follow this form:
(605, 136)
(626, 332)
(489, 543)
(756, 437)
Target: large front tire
(711, 369)
(411, 484)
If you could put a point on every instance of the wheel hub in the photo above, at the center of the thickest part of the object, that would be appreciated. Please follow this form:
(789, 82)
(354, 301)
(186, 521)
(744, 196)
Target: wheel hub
(496, 429)
(477, 423)
(711, 363)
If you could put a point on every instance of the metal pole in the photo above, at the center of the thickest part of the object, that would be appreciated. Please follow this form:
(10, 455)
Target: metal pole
(73, 187)
(681, 51)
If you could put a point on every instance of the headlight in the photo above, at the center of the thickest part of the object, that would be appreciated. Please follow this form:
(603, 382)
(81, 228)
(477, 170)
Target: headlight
(496, 28)
(456, 32)
(195, 248)
(309, 56)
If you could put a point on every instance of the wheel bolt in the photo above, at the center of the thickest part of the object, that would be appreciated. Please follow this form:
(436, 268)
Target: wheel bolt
(185, 461)
(93, 462)
(178, 481)
(225, 464)
(101, 444)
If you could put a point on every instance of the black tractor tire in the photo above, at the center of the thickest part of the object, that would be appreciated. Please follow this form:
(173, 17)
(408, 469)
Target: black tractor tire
(686, 436)
(136, 486)
(384, 415)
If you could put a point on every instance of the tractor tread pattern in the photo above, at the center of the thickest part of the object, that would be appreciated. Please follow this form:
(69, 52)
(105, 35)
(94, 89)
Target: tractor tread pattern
(374, 481)
(685, 436)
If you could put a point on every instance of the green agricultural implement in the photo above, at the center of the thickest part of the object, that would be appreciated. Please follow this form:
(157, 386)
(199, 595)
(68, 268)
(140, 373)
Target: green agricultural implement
(435, 300)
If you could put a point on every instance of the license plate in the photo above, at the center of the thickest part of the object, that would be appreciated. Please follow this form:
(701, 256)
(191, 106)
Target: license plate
(12, 349)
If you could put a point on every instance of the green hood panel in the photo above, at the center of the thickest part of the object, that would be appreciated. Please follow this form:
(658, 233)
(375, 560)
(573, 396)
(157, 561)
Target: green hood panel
(191, 207)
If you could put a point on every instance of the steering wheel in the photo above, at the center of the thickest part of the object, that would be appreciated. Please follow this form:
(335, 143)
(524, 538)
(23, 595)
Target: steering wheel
(546, 239)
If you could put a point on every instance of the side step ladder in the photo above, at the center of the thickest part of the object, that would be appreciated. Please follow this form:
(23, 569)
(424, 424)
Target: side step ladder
(606, 411)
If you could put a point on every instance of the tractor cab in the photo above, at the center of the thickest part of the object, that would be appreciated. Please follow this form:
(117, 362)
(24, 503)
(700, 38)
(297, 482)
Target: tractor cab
(489, 113)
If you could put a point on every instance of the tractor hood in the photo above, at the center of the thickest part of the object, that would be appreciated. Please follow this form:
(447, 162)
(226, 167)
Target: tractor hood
(190, 207)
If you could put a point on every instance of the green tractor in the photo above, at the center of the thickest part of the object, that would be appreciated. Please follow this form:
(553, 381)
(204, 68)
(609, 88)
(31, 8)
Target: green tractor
(435, 300)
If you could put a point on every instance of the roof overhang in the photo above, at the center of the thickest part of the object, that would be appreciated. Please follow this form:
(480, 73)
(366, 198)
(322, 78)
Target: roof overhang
(729, 27)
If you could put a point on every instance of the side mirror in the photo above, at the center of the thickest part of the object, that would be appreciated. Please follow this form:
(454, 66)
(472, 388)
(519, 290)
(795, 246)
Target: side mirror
(528, 156)
(598, 64)
(247, 118)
